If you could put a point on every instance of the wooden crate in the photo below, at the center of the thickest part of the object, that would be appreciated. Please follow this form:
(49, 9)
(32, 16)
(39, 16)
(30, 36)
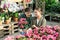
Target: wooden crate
(15, 31)
(6, 28)
(14, 27)
(1, 33)
(14, 23)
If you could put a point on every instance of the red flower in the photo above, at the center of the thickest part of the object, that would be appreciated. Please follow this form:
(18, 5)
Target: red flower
(29, 33)
(51, 37)
(44, 37)
(56, 27)
(23, 21)
(42, 30)
(36, 36)
(56, 34)
(48, 27)
(35, 30)
(50, 31)
(21, 26)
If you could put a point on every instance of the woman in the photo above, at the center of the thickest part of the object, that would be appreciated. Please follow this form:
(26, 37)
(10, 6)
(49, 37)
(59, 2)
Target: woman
(39, 20)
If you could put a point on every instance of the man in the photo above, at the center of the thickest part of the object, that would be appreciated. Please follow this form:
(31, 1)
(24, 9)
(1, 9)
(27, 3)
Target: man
(27, 15)
(39, 20)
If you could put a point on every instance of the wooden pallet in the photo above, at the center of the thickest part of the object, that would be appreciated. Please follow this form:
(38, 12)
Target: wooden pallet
(1, 33)
(14, 27)
(6, 28)
(15, 31)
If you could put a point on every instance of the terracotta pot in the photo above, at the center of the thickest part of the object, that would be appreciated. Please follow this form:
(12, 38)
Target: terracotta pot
(16, 19)
(7, 21)
(0, 22)
(10, 19)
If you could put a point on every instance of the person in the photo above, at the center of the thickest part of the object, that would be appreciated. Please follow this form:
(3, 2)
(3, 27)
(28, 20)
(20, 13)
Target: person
(38, 20)
(27, 15)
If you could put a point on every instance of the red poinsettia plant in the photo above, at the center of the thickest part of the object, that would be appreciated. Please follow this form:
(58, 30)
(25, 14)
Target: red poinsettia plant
(43, 33)
(23, 23)
(40, 33)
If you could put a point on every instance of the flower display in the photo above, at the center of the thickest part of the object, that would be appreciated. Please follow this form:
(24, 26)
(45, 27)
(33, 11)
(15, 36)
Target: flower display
(50, 37)
(56, 34)
(42, 33)
(35, 30)
(44, 37)
(42, 30)
(9, 38)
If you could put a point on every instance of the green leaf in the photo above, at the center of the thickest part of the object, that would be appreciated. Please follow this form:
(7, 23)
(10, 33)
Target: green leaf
(24, 38)
(26, 26)
(16, 15)
(0, 18)
(20, 39)
(7, 17)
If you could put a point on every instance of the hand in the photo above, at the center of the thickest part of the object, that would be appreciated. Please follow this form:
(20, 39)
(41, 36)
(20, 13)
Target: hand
(34, 25)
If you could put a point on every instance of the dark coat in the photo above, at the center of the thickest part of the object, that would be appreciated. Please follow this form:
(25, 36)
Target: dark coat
(28, 19)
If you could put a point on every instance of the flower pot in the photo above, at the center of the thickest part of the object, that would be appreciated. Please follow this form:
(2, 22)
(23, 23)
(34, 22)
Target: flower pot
(16, 19)
(0, 22)
(10, 19)
(7, 21)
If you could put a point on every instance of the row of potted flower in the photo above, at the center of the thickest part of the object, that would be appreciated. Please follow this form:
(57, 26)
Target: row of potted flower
(7, 18)
(42, 33)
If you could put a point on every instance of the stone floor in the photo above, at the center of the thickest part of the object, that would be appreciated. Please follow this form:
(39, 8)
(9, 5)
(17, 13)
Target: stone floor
(48, 23)
(52, 23)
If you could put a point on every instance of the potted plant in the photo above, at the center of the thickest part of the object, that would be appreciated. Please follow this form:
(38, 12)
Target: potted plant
(3, 14)
(0, 20)
(7, 21)
(15, 17)
(10, 16)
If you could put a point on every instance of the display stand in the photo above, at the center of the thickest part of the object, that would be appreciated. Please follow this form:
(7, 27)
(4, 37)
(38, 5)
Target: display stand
(6, 29)
(14, 26)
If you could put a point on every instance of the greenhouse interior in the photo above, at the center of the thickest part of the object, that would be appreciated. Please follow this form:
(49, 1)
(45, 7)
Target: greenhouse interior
(29, 19)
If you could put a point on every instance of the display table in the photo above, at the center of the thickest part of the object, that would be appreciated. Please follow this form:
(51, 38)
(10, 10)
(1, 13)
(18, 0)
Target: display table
(9, 29)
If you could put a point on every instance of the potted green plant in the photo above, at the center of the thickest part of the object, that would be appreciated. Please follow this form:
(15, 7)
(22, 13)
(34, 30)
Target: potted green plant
(10, 15)
(15, 17)
(0, 20)
(3, 14)
(7, 21)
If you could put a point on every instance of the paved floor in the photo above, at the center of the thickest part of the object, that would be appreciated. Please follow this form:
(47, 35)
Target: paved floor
(48, 23)
(53, 23)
